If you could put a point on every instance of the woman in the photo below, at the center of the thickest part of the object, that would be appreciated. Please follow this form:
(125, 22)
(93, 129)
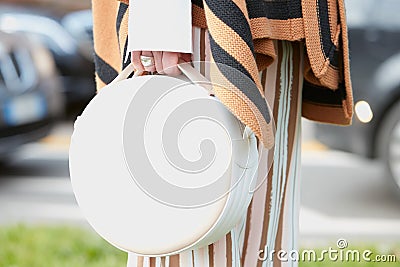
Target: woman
(295, 52)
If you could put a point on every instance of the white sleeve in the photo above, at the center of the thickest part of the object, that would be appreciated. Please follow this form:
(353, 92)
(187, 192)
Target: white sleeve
(160, 25)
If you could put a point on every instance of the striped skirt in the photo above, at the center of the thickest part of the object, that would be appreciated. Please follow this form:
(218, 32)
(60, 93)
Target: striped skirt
(271, 223)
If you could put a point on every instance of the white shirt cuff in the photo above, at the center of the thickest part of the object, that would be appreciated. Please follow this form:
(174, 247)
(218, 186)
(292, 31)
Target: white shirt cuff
(160, 25)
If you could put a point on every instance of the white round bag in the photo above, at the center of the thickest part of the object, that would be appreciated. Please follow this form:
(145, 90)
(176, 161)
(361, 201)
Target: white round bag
(158, 166)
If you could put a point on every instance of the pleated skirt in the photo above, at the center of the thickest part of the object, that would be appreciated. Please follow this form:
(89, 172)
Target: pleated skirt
(271, 222)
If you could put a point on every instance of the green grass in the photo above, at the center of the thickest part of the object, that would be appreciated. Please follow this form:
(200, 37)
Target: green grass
(45, 246)
(22, 246)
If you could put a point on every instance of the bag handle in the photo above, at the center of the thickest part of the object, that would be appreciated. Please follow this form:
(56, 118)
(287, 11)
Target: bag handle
(195, 76)
(185, 67)
(124, 74)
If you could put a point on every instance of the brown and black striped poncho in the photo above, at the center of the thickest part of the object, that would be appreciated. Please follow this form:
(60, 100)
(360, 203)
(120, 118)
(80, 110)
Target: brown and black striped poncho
(241, 34)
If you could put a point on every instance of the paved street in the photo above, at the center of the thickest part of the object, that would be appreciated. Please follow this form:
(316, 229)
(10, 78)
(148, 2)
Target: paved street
(35, 185)
(342, 195)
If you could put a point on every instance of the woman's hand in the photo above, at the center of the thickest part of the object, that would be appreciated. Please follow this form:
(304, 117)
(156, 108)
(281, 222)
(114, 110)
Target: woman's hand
(164, 62)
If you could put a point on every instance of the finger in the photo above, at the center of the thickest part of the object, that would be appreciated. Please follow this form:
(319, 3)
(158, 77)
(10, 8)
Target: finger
(186, 57)
(158, 61)
(135, 58)
(152, 67)
(170, 61)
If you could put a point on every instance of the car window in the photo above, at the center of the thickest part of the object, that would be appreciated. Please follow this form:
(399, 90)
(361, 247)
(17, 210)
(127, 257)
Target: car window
(381, 14)
(49, 31)
(386, 14)
(358, 12)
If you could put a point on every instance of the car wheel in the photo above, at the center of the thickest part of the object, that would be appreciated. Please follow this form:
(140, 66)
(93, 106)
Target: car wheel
(388, 145)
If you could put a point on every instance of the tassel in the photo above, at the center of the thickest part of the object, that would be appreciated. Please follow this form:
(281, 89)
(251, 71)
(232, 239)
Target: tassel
(279, 176)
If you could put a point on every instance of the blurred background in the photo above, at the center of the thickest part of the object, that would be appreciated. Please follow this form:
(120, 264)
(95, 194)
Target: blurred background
(350, 175)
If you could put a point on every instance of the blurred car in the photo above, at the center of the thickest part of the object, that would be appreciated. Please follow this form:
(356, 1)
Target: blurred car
(374, 37)
(30, 97)
(80, 25)
(67, 36)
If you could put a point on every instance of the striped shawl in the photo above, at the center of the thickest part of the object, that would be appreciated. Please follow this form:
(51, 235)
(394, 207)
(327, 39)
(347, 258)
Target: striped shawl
(241, 34)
